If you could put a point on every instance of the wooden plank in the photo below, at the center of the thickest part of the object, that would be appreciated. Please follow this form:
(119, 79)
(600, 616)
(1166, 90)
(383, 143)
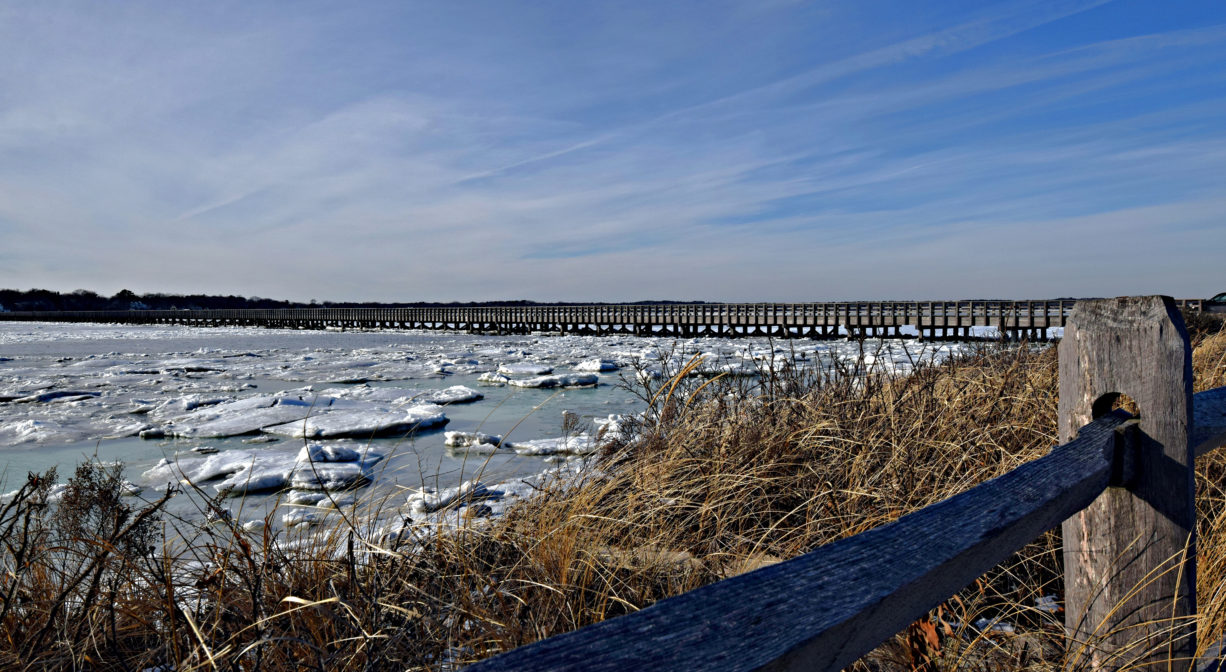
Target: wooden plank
(1130, 595)
(1208, 421)
(825, 609)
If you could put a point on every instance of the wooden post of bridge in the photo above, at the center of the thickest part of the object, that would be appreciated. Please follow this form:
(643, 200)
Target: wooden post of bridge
(1130, 568)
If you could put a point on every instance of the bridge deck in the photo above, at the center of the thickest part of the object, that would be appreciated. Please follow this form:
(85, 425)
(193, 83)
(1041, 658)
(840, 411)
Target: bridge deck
(889, 319)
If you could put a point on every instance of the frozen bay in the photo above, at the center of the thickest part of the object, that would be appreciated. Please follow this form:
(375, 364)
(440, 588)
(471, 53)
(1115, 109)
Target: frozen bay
(274, 414)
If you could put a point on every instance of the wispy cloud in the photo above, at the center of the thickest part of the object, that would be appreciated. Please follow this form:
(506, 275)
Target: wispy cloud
(720, 151)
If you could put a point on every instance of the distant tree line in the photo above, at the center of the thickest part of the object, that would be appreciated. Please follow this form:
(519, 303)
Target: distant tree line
(83, 299)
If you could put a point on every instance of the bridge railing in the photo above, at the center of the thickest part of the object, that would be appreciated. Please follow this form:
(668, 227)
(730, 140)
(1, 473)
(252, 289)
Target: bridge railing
(1009, 316)
(1120, 486)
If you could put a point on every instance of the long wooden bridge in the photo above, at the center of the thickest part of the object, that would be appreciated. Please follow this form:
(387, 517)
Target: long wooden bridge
(885, 319)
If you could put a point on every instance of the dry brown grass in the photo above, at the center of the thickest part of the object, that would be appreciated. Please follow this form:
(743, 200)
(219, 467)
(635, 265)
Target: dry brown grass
(720, 480)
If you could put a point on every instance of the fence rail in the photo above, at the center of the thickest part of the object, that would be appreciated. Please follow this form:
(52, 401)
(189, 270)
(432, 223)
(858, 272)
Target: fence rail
(1120, 486)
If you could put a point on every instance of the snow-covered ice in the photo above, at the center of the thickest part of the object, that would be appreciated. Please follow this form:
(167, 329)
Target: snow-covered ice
(596, 365)
(471, 440)
(493, 379)
(429, 501)
(560, 380)
(580, 444)
(525, 369)
(334, 423)
(456, 394)
(238, 472)
(238, 418)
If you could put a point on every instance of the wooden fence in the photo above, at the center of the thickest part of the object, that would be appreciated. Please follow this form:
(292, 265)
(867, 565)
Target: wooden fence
(1121, 486)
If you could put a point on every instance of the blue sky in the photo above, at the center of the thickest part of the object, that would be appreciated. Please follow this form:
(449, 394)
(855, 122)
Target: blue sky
(739, 150)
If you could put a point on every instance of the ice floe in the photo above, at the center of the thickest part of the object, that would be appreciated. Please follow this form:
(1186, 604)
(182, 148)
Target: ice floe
(596, 365)
(236, 472)
(580, 444)
(57, 395)
(456, 394)
(335, 423)
(429, 500)
(493, 379)
(225, 422)
(615, 427)
(560, 380)
(433, 510)
(329, 476)
(525, 369)
(471, 440)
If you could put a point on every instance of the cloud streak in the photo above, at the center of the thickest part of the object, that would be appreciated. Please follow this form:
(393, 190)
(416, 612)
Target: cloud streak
(697, 151)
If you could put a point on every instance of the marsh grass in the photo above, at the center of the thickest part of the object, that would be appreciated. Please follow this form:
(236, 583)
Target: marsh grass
(721, 475)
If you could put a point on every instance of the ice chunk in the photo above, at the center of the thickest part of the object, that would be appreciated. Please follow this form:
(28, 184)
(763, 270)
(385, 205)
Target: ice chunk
(193, 401)
(53, 396)
(329, 476)
(595, 365)
(525, 369)
(261, 476)
(428, 501)
(303, 517)
(74, 398)
(190, 366)
(456, 394)
(331, 501)
(332, 467)
(614, 427)
(563, 380)
(57, 491)
(364, 423)
(491, 378)
(32, 429)
(306, 401)
(241, 471)
(315, 467)
(304, 497)
(471, 440)
(224, 422)
(319, 452)
(649, 373)
(738, 369)
(580, 444)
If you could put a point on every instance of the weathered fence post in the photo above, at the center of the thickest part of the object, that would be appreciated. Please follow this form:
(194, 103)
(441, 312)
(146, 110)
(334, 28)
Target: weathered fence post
(1130, 572)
